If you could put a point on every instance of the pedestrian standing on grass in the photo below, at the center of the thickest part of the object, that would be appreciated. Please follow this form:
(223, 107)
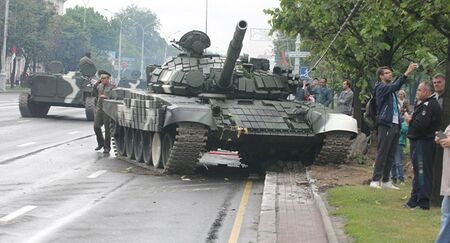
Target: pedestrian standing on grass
(397, 170)
(444, 232)
(423, 124)
(345, 101)
(388, 122)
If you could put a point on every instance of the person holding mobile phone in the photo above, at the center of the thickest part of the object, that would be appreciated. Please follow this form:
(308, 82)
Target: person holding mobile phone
(443, 139)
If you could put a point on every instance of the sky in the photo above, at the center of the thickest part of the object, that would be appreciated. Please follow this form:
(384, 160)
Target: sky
(180, 16)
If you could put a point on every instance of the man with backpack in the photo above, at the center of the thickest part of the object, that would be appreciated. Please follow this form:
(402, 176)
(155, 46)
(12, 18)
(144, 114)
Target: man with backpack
(388, 121)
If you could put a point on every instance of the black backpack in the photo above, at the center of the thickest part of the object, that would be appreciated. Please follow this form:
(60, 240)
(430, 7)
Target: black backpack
(370, 115)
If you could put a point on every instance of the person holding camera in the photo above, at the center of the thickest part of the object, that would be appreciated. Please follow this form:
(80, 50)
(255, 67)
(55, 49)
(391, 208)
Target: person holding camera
(388, 122)
(423, 124)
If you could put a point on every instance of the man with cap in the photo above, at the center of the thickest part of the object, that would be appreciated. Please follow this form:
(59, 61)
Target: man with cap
(101, 91)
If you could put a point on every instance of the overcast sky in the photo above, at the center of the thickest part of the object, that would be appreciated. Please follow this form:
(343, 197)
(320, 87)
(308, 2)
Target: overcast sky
(180, 16)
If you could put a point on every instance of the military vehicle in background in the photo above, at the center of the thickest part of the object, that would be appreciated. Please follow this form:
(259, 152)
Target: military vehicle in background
(200, 102)
(130, 79)
(55, 88)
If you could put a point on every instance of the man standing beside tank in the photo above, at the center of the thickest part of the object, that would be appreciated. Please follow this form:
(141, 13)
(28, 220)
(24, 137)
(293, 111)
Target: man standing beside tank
(323, 93)
(345, 101)
(101, 89)
(388, 122)
(423, 124)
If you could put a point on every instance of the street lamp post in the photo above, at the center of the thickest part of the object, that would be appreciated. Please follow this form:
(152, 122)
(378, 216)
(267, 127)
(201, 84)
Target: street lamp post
(142, 44)
(85, 2)
(3, 57)
(119, 66)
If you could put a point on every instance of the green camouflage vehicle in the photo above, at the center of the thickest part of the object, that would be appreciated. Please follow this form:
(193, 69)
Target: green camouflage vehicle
(54, 88)
(200, 102)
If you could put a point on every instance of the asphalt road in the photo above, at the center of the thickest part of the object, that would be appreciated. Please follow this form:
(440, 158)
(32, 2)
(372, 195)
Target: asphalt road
(55, 188)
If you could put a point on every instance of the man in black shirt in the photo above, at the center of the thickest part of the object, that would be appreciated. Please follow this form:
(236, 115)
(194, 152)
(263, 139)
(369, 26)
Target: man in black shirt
(423, 124)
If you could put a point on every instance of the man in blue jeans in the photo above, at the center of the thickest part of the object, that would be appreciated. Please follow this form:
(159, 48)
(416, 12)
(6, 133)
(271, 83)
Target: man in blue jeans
(388, 122)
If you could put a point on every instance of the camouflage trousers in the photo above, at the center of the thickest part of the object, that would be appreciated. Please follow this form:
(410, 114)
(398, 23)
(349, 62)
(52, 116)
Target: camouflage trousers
(102, 119)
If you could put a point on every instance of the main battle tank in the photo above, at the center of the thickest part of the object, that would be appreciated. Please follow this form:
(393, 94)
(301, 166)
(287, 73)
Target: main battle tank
(200, 102)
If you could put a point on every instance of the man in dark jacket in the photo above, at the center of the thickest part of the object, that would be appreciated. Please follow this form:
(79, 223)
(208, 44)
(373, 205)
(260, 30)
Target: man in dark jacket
(423, 124)
(388, 122)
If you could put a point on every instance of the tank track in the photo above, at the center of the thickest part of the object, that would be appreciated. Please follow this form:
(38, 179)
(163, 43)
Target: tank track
(335, 149)
(189, 143)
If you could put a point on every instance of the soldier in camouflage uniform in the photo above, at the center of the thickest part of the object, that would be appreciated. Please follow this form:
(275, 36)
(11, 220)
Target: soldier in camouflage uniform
(101, 91)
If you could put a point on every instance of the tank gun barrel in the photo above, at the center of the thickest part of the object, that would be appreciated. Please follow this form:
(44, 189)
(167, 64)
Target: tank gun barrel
(234, 49)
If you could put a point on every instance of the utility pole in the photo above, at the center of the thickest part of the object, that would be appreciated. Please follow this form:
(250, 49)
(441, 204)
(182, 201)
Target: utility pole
(206, 18)
(3, 57)
(142, 44)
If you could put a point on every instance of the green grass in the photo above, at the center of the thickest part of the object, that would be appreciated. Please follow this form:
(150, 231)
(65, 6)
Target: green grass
(374, 215)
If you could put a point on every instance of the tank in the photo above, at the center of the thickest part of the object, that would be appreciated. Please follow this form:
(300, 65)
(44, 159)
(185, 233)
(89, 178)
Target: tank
(54, 88)
(199, 102)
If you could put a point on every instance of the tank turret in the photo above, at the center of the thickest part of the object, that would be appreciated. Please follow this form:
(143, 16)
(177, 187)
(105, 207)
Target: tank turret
(234, 49)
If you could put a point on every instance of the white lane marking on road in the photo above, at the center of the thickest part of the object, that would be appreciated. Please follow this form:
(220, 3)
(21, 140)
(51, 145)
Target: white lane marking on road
(73, 132)
(17, 213)
(22, 121)
(97, 174)
(26, 144)
(39, 237)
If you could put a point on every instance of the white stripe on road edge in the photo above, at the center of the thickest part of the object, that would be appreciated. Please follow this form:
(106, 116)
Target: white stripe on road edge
(74, 132)
(22, 121)
(96, 174)
(26, 144)
(17, 213)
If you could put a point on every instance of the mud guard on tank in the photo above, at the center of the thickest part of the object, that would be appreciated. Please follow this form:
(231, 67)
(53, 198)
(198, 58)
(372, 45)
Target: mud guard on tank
(327, 122)
(190, 113)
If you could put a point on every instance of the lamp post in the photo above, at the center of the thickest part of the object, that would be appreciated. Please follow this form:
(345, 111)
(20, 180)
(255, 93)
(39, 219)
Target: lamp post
(85, 2)
(3, 56)
(142, 43)
(119, 66)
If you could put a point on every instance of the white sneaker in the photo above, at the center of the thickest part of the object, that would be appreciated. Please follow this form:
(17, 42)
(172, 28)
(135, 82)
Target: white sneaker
(389, 185)
(375, 184)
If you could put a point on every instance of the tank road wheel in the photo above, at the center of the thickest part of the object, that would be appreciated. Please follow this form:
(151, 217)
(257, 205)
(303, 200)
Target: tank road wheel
(138, 145)
(156, 150)
(119, 139)
(89, 108)
(23, 105)
(147, 148)
(166, 148)
(129, 142)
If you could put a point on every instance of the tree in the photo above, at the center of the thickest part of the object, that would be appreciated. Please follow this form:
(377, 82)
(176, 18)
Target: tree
(379, 34)
(30, 29)
(435, 14)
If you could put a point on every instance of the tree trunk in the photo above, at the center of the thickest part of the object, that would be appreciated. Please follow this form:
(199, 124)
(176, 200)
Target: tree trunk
(12, 77)
(437, 166)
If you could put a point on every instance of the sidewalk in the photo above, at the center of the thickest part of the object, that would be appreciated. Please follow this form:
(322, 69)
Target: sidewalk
(292, 212)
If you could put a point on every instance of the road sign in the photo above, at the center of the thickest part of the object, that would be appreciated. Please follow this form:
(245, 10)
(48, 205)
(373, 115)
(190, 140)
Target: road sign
(299, 53)
(304, 72)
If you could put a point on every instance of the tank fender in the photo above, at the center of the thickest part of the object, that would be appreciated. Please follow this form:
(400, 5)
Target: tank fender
(197, 113)
(323, 123)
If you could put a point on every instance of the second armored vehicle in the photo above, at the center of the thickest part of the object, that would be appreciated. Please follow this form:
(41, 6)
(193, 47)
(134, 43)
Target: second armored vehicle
(199, 102)
(54, 88)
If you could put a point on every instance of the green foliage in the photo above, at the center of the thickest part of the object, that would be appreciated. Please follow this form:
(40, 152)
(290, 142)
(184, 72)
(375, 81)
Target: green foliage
(379, 34)
(374, 215)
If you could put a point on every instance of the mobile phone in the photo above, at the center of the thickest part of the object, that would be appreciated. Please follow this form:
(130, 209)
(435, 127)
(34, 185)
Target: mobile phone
(441, 135)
